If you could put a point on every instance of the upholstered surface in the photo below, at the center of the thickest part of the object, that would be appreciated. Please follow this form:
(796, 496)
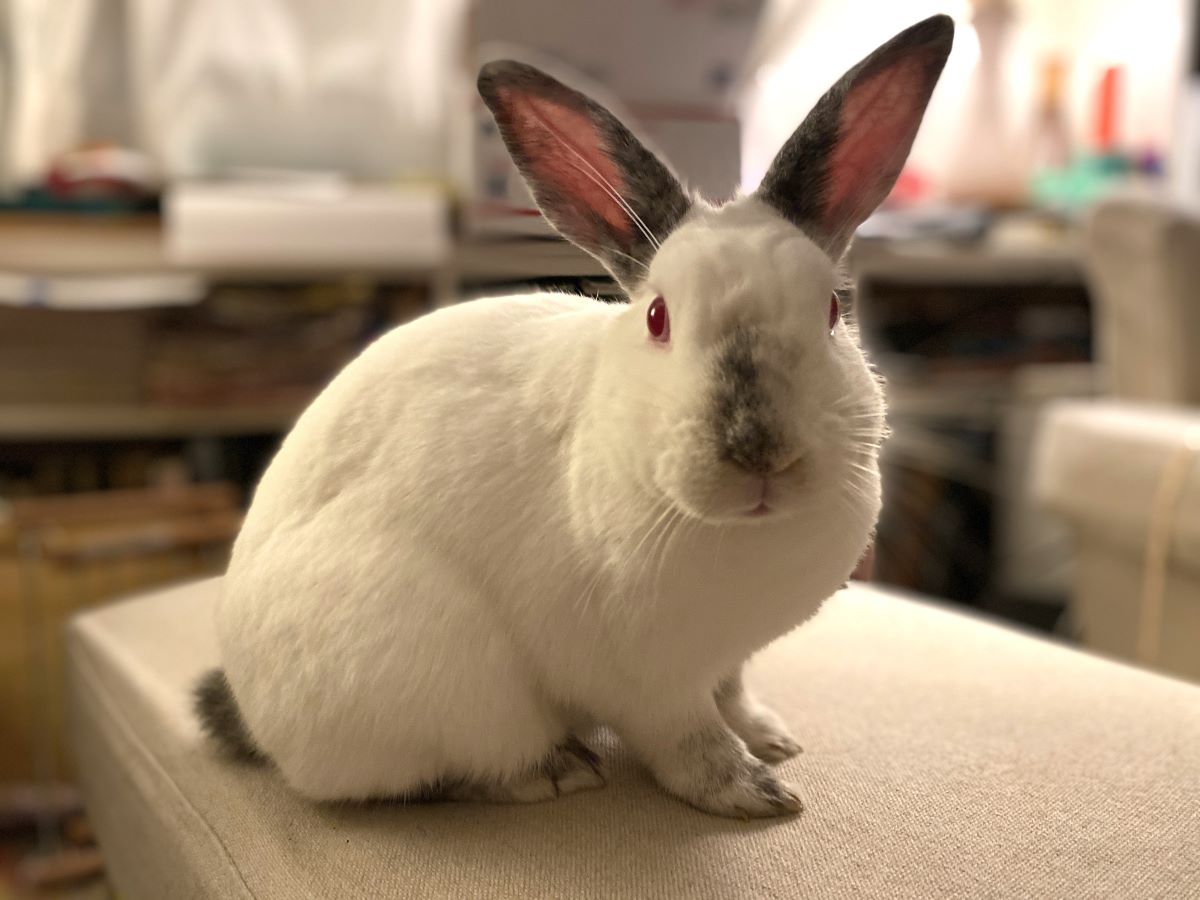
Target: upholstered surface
(1100, 463)
(1142, 257)
(1125, 479)
(945, 757)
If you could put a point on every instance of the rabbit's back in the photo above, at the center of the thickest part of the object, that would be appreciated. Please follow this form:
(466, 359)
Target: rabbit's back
(355, 585)
(410, 425)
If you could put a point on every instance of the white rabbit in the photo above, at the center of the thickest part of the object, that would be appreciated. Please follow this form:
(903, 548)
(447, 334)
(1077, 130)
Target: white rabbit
(518, 518)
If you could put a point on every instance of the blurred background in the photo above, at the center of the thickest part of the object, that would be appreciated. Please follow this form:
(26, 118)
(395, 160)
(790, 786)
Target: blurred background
(208, 206)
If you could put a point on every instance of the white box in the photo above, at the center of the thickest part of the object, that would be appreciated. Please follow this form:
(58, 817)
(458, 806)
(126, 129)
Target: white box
(324, 224)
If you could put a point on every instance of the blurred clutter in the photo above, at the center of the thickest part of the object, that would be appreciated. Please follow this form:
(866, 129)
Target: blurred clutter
(60, 555)
(239, 197)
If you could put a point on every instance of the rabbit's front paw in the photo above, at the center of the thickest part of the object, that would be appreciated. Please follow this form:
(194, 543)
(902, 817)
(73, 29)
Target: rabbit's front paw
(756, 793)
(764, 732)
(767, 737)
(712, 770)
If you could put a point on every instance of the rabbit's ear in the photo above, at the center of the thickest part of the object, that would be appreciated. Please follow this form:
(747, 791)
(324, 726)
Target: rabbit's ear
(592, 179)
(843, 160)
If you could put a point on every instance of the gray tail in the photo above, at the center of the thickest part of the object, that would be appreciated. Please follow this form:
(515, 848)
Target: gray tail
(220, 717)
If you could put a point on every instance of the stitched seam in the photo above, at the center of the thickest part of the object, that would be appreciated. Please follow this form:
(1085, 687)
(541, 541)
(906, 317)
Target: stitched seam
(1172, 482)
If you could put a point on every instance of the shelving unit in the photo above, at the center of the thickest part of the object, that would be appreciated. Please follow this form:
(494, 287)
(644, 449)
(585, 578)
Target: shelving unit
(987, 262)
(973, 337)
(40, 246)
(60, 246)
(54, 245)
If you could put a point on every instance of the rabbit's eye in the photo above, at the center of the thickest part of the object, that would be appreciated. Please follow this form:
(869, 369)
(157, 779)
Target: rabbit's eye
(834, 312)
(658, 323)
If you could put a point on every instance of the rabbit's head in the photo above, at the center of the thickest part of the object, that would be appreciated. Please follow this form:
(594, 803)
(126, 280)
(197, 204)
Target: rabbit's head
(730, 388)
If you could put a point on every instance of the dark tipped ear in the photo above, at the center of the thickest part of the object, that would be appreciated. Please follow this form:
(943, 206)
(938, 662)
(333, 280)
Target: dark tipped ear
(844, 159)
(592, 179)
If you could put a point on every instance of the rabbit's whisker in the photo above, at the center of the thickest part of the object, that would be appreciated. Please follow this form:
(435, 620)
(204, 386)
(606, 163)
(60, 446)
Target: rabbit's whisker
(604, 184)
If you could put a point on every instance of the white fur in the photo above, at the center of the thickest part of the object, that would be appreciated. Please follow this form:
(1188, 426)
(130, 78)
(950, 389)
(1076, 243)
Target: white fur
(506, 520)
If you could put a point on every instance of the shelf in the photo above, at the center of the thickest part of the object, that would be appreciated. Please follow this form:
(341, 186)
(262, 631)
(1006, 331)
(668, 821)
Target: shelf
(50, 244)
(985, 263)
(109, 422)
(44, 244)
(59, 245)
(519, 259)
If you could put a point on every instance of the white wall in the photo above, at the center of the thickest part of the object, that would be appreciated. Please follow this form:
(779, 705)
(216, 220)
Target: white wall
(357, 84)
(816, 40)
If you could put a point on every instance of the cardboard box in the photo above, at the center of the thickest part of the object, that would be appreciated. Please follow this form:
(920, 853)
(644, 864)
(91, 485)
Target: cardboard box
(669, 64)
(685, 53)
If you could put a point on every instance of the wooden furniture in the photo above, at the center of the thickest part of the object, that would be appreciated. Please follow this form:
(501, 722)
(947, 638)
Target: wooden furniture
(62, 554)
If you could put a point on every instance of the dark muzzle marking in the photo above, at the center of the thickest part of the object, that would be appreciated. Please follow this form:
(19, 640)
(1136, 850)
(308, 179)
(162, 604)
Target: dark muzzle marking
(744, 432)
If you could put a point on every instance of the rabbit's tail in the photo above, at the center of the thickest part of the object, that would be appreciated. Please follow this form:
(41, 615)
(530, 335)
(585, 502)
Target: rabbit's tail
(219, 716)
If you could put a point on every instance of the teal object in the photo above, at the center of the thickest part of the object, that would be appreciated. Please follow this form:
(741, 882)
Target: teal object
(1079, 185)
(41, 200)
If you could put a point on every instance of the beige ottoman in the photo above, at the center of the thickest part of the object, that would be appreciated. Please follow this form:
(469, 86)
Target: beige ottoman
(945, 757)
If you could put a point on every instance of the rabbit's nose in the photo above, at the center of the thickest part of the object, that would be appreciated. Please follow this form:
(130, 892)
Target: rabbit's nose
(758, 451)
(751, 445)
(776, 466)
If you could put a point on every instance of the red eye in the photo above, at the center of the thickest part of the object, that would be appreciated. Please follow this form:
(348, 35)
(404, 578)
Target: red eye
(833, 313)
(657, 321)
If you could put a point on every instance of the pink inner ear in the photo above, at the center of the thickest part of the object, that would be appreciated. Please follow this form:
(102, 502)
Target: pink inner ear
(564, 151)
(879, 120)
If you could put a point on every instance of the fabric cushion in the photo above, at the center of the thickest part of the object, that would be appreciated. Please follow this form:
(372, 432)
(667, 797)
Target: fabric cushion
(945, 757)
(1126, 480)
(1099, 464)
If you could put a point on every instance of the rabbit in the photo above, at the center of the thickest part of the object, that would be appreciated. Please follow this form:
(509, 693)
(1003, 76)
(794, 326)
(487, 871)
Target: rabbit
(517, 519)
